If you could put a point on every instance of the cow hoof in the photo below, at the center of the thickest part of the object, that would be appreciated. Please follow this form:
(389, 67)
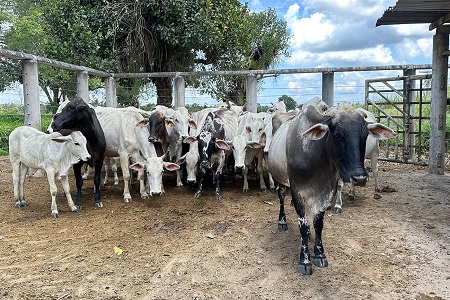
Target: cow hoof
(198, 195)
(273, 190)
(217, 197)
(116, 183)
(245, 190)
(98, 205)
(351, 198)
(263, 189)
(55, 214)
(282, 227)
(126, 199)
(79, 207)
(321, 261)
(144, 197)
(377, 196)
(74, 209)
(337, 210)
(305, 268)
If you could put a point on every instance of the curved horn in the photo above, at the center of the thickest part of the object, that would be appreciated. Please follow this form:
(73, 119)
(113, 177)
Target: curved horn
(143, 155)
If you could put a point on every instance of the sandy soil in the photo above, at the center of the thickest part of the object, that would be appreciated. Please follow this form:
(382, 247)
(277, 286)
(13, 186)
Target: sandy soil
(181, 247)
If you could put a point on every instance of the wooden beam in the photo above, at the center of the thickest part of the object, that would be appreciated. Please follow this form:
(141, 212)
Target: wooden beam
(439, 22)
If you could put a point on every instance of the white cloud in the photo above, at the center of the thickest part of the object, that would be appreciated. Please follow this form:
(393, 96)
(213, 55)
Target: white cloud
(410, 49)
(379, 55)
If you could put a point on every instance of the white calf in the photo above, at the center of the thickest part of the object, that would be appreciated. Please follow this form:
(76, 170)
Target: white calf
(53, 153)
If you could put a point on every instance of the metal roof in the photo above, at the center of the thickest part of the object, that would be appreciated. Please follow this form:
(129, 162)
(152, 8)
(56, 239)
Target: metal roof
(434, 12)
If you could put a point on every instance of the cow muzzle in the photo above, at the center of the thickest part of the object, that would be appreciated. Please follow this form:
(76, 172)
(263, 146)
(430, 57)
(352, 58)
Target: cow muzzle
(359, 180)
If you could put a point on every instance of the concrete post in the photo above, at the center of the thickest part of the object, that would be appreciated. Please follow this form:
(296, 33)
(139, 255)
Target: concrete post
(83, 85)
(328, 88)
(438, 101)
(251, 93)
(179, 92)
(32, 106)
(110, 90)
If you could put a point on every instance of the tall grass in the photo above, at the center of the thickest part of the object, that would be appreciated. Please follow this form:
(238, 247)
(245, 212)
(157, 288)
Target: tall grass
(11, 117)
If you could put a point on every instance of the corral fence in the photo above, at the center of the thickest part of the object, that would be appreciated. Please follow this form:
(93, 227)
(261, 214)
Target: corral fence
(32, 114)
(406, 110)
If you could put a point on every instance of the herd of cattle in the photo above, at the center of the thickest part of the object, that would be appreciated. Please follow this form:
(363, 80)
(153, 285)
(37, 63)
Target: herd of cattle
(312, 150)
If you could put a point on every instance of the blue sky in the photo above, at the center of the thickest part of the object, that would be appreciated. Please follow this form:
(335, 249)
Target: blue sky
(341, 34)
(333, 34)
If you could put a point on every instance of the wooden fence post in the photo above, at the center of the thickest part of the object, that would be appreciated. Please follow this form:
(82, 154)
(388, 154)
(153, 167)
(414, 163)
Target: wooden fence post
(32, 105)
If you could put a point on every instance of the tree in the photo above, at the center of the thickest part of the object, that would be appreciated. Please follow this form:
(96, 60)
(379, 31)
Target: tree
(69, 31)
(167, 35)
(289, 101)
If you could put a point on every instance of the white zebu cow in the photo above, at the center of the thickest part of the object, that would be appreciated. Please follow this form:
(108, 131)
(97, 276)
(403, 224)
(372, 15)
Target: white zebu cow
(251, 126)
(371, 152)
(53, 153)
(126, 135)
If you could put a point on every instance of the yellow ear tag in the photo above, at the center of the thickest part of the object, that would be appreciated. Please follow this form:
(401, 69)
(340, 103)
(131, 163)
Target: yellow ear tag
(169, 124)
(117, 250)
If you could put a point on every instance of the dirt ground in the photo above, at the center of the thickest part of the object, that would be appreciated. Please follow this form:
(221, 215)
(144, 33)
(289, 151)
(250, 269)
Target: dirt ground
(181, 247)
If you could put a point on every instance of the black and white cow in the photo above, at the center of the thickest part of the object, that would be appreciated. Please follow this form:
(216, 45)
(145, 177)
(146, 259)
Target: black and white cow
(211, 149)
(77, 115)
(309, 154)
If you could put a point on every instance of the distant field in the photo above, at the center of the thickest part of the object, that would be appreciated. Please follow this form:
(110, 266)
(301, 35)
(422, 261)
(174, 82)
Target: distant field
(9, 121)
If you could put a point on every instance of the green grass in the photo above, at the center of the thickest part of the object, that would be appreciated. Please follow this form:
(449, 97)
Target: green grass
(9, 121)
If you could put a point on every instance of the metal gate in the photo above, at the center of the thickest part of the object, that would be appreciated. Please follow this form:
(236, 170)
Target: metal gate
(403, 104)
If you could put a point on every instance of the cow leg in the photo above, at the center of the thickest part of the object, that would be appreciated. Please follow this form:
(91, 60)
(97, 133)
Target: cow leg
(201, 176)
(79, 184)
(97, 180)
(142, 186)
(124, 164)
(114, 169)
(320, 259)
(271, 182)
(338, 196)
(53, 191)
(244, 175)
(282, 224)
(106, 165)
(262, 183)
(18, 179)
(305, 266)
(217, 177)
(351, 194)
(66, 188)
(218, 174)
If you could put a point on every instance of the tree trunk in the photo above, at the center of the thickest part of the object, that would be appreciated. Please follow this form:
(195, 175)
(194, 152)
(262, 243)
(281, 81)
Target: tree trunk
(163, 90)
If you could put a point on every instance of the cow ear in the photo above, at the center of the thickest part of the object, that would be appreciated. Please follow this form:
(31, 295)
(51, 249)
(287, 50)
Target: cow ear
(254, 145)
(61, 139)
(316, 132)
(263, 135)
(189, 139)
(221, 144)
(248, 129)
(142, 123)
(381, 131)
(181, 160)
(171, 166)
(192, 124)
(169, 122)
(137, 166)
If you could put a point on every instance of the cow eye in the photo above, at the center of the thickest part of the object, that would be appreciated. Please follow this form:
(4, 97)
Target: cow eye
(77, 144)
